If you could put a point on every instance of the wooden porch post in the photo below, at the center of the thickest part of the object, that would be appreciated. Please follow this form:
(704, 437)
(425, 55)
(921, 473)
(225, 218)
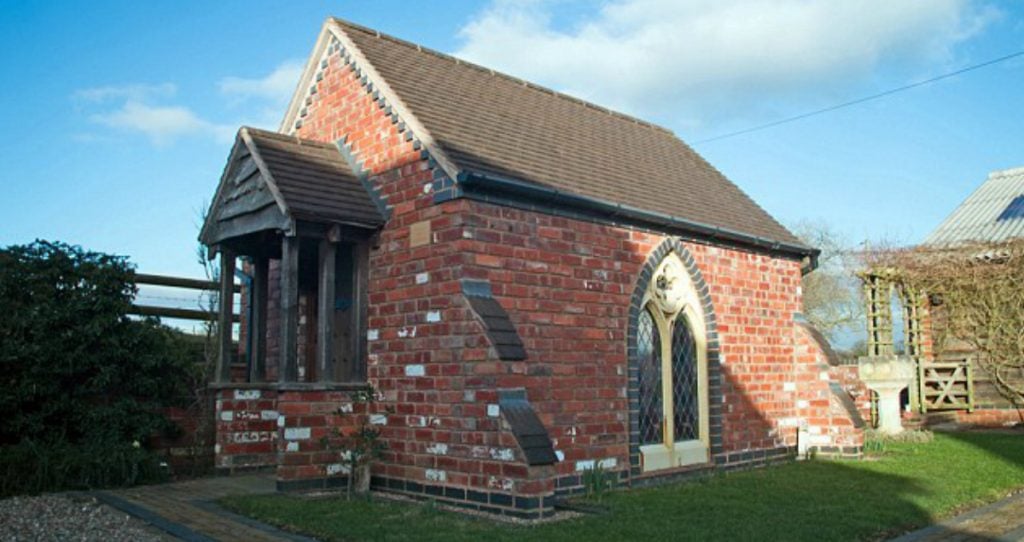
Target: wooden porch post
(325, 308)
(258, 325)
(359, 295)
(288, 358)
(224, 318)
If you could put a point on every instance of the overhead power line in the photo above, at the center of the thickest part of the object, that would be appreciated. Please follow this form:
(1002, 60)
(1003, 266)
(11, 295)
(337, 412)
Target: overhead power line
(861, 100)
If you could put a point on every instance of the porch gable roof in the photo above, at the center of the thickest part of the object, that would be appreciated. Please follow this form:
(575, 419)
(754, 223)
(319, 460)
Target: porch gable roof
(273, 180)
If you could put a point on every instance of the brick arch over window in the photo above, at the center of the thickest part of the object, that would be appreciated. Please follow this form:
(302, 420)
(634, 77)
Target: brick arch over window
(714, 391)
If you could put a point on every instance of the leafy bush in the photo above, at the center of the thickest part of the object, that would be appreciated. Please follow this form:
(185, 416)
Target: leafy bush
(81, 384)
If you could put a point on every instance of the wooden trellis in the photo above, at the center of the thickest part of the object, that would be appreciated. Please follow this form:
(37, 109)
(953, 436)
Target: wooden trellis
(878, 294)
(912, 312)
(939, 385)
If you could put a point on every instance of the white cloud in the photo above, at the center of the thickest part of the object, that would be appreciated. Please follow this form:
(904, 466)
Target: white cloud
(137, 108)
(693, 61)
(162, 124)
(126, 92)
(276, 87)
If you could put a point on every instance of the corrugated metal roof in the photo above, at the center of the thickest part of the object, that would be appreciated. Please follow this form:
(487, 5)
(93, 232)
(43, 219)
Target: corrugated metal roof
(978, 219)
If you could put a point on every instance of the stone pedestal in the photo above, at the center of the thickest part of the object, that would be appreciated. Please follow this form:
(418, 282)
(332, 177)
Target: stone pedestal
(887, 376)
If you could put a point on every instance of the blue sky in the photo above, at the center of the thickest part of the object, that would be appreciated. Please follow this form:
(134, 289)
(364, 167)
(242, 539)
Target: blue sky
(119, 115)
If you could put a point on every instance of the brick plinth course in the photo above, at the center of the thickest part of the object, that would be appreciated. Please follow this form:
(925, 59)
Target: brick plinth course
(1005, 417)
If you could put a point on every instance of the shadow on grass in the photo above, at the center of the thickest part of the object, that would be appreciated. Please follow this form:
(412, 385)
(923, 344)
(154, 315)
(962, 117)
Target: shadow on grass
(998, 442)
(817, 500)
(911, 487)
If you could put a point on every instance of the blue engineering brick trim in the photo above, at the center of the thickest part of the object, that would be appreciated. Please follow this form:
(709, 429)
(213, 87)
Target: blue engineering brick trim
(312, 484)
(530, 433)
(500, 331)
(492, 502)
(571, 485)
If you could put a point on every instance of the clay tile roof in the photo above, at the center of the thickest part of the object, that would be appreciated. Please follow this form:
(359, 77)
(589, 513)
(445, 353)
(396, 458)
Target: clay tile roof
(314, 180)
(271, 180)
(494, 124)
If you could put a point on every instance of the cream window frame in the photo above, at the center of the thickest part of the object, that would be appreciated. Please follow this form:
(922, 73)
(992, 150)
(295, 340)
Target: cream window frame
(670, 453)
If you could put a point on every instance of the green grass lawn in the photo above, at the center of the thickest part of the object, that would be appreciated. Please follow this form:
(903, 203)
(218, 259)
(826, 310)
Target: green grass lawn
(908, 487)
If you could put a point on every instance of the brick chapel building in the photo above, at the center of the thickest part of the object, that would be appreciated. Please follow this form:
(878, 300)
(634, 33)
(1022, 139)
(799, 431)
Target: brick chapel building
(533, 285)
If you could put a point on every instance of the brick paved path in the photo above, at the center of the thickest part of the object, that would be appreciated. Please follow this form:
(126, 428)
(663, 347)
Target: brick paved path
(1002, 521)
(187, 509)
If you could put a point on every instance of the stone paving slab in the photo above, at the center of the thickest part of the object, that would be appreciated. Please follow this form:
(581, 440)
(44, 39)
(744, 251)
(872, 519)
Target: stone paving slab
(1001, 521)
(188, 511)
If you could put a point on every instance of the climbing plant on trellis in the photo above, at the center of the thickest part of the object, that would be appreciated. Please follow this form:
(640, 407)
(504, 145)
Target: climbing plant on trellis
(977, 288)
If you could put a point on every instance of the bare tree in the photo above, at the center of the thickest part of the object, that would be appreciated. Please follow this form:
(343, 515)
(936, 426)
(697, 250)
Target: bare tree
(831, 293)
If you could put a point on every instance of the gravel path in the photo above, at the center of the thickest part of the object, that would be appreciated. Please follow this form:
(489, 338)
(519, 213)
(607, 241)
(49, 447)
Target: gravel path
(72, 518)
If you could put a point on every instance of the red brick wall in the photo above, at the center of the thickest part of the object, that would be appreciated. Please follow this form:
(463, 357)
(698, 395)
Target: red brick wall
(190, 452)
(755, 299)
(246, 429)
(567, 286)
(312, 426)
(848, 377)
(1008, 417)
(829, 427)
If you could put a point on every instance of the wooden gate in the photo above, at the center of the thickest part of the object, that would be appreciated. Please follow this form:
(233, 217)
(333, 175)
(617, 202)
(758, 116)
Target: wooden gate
(946, 385)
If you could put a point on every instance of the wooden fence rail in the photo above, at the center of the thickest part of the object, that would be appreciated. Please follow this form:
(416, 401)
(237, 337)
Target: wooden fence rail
(177, 312)
(179, 282)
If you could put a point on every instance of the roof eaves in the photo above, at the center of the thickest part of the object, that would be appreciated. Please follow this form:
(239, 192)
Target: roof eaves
(358, 224)
(554, 197)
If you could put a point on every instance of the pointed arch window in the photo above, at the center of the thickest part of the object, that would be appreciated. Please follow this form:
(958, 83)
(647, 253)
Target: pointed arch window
(672, 371)
(649, 352)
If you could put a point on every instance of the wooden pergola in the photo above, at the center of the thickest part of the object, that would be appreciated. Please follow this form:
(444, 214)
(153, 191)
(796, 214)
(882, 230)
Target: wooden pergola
(939, 385)
(295, 203)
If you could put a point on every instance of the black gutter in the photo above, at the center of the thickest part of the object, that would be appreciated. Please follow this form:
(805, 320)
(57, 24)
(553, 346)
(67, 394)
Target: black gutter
(475, 182)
